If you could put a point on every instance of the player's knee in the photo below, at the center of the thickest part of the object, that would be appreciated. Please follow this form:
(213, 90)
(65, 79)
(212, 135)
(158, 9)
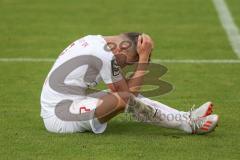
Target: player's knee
(123, 99)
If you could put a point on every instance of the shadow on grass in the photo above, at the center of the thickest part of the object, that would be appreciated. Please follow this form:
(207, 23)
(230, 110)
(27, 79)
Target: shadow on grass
(131, 128)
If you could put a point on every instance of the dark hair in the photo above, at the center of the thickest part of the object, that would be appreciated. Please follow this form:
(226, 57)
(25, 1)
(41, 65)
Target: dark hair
(133, 37)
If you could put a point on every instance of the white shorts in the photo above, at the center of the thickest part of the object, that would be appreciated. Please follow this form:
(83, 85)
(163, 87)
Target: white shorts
(56, 125)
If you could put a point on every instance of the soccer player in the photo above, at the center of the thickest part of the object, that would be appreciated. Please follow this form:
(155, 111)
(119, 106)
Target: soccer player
(67, 107)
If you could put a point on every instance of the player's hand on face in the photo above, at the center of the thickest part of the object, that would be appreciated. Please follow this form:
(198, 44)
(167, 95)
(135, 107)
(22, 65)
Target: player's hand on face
(144, 46)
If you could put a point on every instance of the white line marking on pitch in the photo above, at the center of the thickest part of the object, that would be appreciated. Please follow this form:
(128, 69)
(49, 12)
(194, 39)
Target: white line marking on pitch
(228, 24)
(199, 61)
(27, 59)
(190, 61)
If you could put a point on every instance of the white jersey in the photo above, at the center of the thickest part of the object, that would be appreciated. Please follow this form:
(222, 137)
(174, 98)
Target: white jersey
(82, 65)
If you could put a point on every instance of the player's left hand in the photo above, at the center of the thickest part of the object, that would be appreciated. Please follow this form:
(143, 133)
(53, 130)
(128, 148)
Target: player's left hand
(144, 47)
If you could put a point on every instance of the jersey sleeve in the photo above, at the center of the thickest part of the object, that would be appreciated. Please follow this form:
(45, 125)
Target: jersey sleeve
(110, 71)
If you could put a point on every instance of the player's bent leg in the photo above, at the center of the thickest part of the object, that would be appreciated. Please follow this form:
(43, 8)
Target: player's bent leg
(107, 105)
(111, 105)
(154, 112)
(104, 105)
(55, 125)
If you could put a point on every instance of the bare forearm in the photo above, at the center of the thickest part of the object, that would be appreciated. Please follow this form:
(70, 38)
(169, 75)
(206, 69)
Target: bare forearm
(136, 81)
(144, 49)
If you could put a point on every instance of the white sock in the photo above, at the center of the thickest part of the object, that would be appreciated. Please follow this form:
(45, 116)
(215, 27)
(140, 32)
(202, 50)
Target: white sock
(169, 117)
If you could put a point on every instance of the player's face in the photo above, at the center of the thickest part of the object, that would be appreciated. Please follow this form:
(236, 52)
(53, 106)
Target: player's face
(125, 53)
(132, 58)
(126, 48)
(125, 58)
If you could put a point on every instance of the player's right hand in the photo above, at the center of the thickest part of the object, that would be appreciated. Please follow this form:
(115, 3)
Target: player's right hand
(144, 47)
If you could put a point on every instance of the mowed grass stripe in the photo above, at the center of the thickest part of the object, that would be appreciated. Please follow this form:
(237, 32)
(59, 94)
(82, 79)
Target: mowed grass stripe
(23, 135)
(180, 30)
(186, 30)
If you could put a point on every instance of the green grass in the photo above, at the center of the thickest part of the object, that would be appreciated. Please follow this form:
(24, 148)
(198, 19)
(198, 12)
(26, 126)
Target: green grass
(186, 29)
(234, 7)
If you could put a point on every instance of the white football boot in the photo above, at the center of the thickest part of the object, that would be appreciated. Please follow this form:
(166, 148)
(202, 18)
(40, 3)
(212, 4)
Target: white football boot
(204, 125)
(203, 111)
